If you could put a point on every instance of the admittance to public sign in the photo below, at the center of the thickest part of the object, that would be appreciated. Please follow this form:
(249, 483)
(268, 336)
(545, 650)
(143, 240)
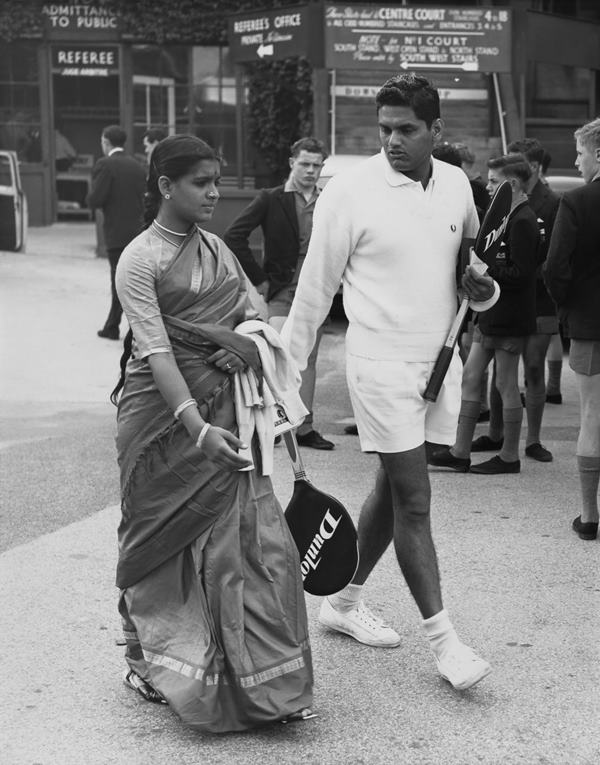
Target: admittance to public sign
(85, 61)
(81, 19)
(413, 38)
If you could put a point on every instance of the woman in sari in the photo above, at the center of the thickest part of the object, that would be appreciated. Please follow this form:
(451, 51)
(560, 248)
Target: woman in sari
(211, 591)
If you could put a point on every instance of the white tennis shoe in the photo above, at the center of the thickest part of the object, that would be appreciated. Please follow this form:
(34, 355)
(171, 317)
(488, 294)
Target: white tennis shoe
(359, 623)
(461, 667)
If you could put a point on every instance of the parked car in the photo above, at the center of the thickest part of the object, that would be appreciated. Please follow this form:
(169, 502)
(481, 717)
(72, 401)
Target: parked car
(561, 183)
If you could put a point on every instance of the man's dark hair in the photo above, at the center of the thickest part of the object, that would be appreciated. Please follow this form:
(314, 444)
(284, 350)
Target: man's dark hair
(413, 91)
(446, 152)
(530, 147)
(115, 134)
(310, 144)
(546, 161)
(155, 134)
(512, 166)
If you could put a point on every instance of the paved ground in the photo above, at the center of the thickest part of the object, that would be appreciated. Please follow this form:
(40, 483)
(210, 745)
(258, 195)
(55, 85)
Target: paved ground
(520, 586)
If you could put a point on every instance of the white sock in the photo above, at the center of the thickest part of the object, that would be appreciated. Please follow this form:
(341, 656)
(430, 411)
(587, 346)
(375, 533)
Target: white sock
(440, 633)
(347, 599)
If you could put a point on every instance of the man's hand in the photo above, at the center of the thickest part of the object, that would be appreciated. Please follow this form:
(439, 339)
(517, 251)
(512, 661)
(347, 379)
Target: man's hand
(263, 289)
(478, 287)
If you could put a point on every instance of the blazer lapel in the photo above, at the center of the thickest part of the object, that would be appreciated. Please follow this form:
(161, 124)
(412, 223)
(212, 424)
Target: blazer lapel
(288, 203)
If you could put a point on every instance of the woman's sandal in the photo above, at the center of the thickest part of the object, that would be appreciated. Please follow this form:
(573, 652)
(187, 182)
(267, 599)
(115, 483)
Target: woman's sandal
(146, 691)
(303, 714)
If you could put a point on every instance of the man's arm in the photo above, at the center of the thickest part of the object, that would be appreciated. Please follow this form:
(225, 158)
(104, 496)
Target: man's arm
(330, 247)
(237, 236)
(557, 268)
(101, 184)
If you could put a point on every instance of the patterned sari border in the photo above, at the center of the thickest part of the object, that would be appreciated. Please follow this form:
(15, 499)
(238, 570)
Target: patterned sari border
(219, 678)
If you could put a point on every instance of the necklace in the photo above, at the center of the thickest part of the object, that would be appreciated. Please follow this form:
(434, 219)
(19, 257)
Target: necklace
(164, 236)
(168, 230)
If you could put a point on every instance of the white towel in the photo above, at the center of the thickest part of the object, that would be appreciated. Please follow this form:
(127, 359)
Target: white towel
(281, 382)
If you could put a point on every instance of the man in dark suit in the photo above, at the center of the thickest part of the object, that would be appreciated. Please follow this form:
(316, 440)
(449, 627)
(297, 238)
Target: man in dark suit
(572, 275)
(284, 214)
(118, 184)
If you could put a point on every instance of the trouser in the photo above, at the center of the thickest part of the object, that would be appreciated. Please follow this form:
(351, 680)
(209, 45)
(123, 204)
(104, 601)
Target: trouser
(113, 320)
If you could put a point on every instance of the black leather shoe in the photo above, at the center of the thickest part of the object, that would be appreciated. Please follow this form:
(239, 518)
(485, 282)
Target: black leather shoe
(554, 398)
(444, 458)
(351, 430)
(496, 466)
(585, 530)
(109, 334)
(538, 452)
(486, 444)
(314, 440)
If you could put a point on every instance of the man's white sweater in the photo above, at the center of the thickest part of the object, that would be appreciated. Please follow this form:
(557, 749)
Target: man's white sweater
(394, 246)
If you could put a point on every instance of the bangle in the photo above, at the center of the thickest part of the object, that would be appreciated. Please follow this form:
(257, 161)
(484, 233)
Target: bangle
(202, 435)
(184, 405)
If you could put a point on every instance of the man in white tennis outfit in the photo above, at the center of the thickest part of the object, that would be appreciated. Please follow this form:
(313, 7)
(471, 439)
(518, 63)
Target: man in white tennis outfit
(390, 229)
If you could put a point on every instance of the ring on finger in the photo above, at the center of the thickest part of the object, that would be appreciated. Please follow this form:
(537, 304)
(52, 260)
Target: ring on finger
(228, 366)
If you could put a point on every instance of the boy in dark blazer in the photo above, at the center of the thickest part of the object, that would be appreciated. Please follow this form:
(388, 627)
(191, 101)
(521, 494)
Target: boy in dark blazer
(118, 185)
(572, 275)
(284, 214)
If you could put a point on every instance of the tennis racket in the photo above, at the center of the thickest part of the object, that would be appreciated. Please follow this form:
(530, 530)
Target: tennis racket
(486, 246)
(322, 530)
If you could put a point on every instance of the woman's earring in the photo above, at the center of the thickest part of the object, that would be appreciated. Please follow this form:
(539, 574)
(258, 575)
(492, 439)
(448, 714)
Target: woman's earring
(167, 196)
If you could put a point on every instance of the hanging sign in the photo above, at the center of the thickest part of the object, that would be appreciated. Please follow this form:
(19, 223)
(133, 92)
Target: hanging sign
(80, 20)
(404, 37)
(85, 61)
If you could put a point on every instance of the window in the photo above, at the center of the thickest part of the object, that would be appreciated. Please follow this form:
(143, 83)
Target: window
(20, 101)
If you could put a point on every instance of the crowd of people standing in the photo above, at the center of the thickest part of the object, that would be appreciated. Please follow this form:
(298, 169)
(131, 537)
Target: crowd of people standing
(211, 592)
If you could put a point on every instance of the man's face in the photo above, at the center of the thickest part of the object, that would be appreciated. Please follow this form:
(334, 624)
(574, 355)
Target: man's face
(587, 160)
(495, 178)
(148, 146)
(306, 169)
(105, 145)
(407, 141)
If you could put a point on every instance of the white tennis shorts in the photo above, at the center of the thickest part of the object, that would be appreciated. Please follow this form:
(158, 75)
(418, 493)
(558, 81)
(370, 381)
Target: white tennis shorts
(390, 411)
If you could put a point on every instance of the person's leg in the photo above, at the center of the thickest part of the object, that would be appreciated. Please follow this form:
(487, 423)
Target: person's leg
(113, 320)
(477, 362)
(534, 357)
(588, 445)
(415, 551)
(554, 360)
(344, 611)
(307, 388)
(496, 426)
(507, 382)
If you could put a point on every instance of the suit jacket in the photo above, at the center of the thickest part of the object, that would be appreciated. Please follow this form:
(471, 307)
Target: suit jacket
(274, 210)
(572, 269)
(514, 269)
(118, 185)
(544, 203)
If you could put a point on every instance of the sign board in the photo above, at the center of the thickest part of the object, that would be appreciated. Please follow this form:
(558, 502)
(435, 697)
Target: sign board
(85, 61)
(403, 37)
(446, 94)
(82, 20)
(274, 34)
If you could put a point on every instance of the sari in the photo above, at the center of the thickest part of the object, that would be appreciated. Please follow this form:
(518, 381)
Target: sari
(211, 592)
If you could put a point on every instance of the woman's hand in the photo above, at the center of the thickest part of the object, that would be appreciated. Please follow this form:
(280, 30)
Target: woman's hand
(220, 446)
(227, 361)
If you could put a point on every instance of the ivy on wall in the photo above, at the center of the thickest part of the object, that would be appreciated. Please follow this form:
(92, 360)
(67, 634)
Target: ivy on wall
(280, 110)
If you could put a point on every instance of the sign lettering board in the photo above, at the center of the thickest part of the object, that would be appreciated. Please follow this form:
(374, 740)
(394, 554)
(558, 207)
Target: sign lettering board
(275, 34)
(80, 61)
(417, 38)
(83, 20)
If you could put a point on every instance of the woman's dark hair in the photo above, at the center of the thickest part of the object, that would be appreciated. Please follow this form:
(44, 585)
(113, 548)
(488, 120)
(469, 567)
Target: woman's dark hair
(412, 91)
(174, 156)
